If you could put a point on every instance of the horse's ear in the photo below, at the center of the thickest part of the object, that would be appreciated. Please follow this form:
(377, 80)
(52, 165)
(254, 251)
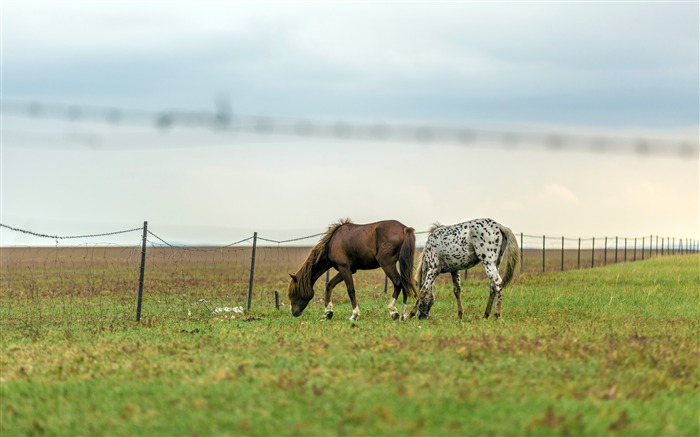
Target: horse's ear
(294, 278)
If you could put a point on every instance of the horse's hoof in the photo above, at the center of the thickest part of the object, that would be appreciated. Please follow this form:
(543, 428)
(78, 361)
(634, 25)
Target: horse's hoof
(395, 316)
(329, 315)
(422, 316)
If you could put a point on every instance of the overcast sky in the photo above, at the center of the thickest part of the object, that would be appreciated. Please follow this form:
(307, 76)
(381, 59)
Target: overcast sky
(627, 69)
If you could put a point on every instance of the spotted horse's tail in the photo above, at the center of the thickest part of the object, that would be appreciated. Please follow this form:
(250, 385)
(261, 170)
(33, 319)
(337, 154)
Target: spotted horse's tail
(510, 252)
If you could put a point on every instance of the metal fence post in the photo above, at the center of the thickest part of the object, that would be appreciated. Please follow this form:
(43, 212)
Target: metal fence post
(615, 250)
(562, 254)
(593, 253)
(625, 249)
(252, 270)
(579, 253)
(634, 258)
(605, 252)
(642, 248)
(543, 248)
(657, 245)
(143, 270)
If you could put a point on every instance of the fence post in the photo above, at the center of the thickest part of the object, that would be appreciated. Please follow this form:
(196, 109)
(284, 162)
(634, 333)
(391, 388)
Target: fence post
(142, 272)
(651, 240)
(625, 249)
(277, 300)
(615, 250)
(657, 245)
(579, 253)
(592, 252)
(562, 254)
(673, 246)
(642, 248)
(662, 246)
(543, 247)
(252, 270)
(605, 252)
(634, 258)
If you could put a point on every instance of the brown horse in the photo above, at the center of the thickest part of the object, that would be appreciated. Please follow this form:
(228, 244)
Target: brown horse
(348, 247)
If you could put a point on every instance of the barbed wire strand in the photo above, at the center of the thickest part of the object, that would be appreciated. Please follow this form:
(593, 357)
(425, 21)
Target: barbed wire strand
(291, 239)
(199, 249)
(376, 131)
(59, 237)
(185, 247)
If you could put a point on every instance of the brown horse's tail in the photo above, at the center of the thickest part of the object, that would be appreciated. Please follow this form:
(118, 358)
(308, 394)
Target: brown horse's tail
(510, 253)
(406, 261)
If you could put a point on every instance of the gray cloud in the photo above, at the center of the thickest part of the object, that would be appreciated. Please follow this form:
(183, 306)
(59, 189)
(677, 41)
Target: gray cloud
(593, 63)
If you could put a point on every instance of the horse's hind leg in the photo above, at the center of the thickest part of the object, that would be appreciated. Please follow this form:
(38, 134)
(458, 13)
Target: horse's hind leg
(458, 293)
(329, 290)
(495, 293)
(346, 274)
(405, 304)
(393, 275)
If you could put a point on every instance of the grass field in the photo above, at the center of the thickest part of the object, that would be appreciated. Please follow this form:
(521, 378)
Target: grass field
(605, 351)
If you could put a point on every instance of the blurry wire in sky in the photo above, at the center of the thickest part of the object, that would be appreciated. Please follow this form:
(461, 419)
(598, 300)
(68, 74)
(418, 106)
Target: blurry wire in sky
(224, 120)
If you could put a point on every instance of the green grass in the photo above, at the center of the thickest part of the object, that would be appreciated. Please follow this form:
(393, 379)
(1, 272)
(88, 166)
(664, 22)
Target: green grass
(603, 351)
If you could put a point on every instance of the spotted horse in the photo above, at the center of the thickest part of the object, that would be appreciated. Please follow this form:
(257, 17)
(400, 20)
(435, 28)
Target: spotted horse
(461, 246)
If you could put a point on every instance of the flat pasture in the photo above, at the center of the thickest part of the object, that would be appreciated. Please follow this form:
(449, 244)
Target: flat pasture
(612, 350)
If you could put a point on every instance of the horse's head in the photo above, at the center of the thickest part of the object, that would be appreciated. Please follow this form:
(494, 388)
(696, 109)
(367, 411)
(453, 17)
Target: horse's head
(424, 305)
(297, 302)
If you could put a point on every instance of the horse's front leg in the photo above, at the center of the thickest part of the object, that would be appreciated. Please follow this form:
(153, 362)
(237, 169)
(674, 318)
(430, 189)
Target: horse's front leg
(329, 291)
(458, 293)
(426, 297)
(495, 291)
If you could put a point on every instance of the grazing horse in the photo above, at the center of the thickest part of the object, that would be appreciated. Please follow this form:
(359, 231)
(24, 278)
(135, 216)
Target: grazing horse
(348, 247)
(461, 246)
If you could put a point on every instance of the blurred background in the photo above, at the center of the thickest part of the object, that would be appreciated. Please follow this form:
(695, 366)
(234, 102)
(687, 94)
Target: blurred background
(213, 120)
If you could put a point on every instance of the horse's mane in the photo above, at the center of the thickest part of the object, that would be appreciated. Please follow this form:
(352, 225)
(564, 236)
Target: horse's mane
(419, 267)
(304, 276)
(435, 227)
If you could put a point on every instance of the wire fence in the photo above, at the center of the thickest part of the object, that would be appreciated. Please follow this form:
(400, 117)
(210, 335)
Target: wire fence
(224, 120)
(57, 287)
